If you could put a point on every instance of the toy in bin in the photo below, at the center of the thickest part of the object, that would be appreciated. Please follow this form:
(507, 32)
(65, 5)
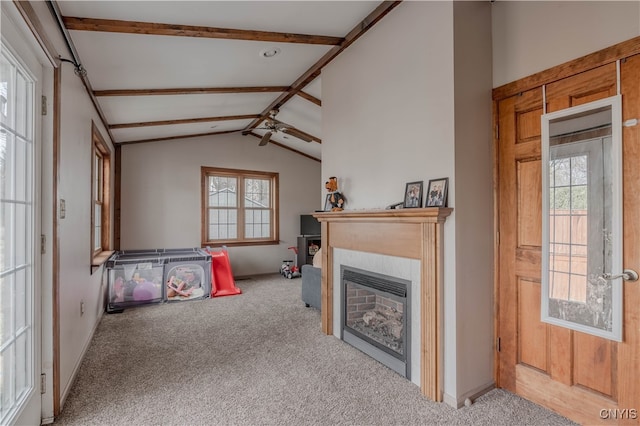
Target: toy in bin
(185, 282)
(288, 270)
(137, 289)
(133, 284)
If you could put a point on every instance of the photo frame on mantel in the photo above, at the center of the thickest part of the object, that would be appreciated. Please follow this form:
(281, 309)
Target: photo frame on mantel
(437, 193)
(413, 195)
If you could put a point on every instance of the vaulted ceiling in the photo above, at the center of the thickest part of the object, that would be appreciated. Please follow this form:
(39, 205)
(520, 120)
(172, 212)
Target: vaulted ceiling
(169, 70)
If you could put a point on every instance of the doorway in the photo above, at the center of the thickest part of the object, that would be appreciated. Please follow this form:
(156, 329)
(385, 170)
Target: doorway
(20, 331)
(25, 146)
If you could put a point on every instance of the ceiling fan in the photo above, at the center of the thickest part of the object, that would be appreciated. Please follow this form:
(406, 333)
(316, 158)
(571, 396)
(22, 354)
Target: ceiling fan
(271, 125)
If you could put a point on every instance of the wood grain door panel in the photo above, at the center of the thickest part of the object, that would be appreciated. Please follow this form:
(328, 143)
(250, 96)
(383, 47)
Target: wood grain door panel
(570, 372)
(628, 352)
(532, 333)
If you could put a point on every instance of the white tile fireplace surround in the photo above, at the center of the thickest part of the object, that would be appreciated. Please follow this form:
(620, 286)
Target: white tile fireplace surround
(406, 244)
(399, 267)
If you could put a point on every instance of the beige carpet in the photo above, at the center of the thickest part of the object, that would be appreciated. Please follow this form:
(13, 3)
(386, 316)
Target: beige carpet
(254, 359)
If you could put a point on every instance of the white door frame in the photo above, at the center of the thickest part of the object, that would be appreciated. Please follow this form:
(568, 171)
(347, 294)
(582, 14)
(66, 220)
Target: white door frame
(17, 35)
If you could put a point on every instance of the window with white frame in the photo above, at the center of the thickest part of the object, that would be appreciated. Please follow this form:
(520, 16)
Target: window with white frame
(17, 228)
(239, 207)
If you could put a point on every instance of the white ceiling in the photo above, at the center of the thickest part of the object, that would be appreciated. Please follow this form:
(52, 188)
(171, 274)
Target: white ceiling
(120, 61)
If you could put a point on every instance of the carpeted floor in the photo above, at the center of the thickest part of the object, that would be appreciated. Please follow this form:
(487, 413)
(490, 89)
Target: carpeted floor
(254, 359)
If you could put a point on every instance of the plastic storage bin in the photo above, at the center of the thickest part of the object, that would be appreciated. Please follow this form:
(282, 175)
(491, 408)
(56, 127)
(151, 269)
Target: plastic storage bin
(134, 280)
(139, 277)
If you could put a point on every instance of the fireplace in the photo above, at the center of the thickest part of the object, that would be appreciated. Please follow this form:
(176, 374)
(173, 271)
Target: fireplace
(405, 243)
(375, 316)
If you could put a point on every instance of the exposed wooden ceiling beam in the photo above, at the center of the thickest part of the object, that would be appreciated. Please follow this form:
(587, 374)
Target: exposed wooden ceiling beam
(169, 138)
(379, 12)
(152, 28)
(310, 98)
(183, 121)
(286, 147)
(190, 91)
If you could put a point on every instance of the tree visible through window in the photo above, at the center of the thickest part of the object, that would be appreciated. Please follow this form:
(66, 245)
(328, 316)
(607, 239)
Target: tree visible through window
(239, 207)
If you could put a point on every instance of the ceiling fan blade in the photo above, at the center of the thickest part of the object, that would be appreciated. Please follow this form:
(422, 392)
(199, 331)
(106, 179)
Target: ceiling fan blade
(245, 132)
(265, 139)
(280, 126)
(297, 134)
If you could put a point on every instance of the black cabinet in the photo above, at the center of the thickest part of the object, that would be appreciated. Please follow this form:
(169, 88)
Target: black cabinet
(308, 246)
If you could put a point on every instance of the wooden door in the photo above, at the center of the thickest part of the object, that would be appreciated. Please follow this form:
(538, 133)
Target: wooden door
(586, 378)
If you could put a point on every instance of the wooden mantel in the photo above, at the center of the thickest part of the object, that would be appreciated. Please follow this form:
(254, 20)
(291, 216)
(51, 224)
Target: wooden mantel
(410, 233)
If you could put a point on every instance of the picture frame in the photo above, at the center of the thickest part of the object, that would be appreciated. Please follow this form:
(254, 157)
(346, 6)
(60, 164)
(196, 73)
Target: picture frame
(327, 203)
(437, 192)
(413, 195)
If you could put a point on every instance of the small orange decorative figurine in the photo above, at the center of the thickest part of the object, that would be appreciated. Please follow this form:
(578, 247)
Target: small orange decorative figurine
(336, 199)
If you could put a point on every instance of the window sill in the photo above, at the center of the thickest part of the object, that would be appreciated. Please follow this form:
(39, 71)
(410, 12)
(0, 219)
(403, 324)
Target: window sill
(239, 243)
(99, 259)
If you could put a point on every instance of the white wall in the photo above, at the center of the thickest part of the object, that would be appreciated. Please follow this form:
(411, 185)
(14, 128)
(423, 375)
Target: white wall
(393, 115)
(473, 200)
(161, 194)
(531, 36)
(387, 106)
(77, 284)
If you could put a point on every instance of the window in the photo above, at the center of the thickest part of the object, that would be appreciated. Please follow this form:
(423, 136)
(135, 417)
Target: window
(100, 206)
(17, 229)
(239, 207)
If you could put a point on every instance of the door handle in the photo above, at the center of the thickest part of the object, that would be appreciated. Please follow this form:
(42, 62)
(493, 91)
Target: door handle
(627, 275)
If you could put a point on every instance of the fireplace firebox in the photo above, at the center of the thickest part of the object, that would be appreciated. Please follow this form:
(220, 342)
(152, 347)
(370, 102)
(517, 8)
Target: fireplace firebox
(375, 316)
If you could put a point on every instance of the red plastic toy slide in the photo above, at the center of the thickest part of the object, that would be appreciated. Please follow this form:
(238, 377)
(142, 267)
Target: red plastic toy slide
(222, 282)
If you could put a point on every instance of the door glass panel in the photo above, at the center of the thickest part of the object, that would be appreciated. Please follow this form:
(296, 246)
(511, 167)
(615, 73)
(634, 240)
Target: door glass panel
(582, 218)
(6, 391)
(22, 104)
(7, 306)
(7, 91)
(21, 364)
(21, 310)
(21, 224)
(7, 156)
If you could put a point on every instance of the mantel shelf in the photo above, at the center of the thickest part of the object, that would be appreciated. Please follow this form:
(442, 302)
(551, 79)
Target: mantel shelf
(428, 214)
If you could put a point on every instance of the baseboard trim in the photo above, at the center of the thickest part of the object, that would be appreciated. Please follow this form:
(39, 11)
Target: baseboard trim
(76, 369)
(251, 276)
(47, 420)
(458, 403)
